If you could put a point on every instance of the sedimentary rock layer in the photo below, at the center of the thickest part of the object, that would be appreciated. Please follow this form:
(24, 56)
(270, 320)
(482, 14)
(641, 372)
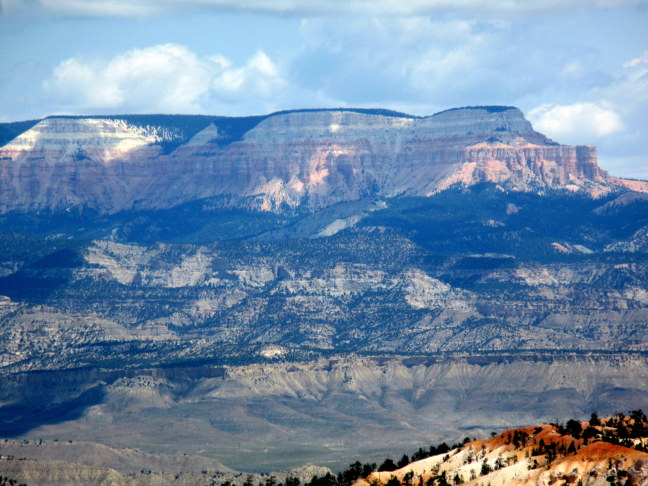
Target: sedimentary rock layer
(314, 158)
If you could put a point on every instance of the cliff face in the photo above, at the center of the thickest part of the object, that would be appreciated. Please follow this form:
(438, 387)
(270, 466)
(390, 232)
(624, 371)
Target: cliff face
(316, 158)
(63, 162)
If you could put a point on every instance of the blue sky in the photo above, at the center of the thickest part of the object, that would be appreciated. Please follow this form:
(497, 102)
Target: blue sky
(577, 68)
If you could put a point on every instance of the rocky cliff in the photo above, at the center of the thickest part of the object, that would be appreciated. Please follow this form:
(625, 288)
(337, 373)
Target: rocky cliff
(311, 157)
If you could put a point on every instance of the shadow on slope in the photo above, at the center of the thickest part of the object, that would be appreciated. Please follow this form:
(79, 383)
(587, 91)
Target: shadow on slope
(18, 419)
(43, 277)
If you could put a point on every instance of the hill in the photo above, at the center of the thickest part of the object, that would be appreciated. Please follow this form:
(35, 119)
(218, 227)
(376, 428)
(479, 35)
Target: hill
(596, 452)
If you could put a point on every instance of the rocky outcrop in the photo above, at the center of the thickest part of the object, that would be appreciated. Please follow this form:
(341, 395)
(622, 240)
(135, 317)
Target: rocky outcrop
(545, 454)
(311, 157)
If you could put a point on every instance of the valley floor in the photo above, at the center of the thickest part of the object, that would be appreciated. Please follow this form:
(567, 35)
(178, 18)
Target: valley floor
(265, 417)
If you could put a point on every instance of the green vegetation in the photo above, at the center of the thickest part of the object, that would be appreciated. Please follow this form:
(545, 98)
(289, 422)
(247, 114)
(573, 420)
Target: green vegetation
(489, 109)
(484, 219)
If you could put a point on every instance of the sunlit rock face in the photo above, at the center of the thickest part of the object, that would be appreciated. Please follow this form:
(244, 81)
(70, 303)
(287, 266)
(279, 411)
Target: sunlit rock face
(63, 162)
(314, 158)
(81, 139)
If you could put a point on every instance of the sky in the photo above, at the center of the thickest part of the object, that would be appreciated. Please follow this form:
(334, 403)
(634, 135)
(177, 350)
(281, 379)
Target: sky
(578, 69)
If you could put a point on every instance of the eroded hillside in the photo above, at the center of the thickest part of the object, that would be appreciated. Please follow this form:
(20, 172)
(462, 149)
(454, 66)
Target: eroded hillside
(597, 452)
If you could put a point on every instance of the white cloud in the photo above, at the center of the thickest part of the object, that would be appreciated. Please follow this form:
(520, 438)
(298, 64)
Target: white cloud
(634, 81)
(260, 75)
(103, 8)
(77, 83)
(625, 153)
(637, 61)
(576, 123)
(165, 78)
(434, 62)
(138, 8)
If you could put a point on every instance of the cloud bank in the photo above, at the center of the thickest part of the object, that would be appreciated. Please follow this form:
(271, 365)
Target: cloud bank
(143, 8)
(161, 79)
(578, 121)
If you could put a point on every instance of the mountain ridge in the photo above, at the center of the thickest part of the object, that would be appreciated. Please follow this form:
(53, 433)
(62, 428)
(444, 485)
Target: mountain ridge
(10, 130)
(285, 160)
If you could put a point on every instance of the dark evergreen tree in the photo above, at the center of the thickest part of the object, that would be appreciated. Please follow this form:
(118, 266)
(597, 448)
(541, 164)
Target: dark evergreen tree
(292, 481)
(393, 481)
(407, 479)
(367, 469)
(485, 468)
(271, 481)
(442, 480)
(404, 461)
(388, 465)
(574, 428)
(442, 448)
(590, 433)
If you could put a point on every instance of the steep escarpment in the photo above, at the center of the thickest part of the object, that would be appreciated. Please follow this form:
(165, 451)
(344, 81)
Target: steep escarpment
(314, 158)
